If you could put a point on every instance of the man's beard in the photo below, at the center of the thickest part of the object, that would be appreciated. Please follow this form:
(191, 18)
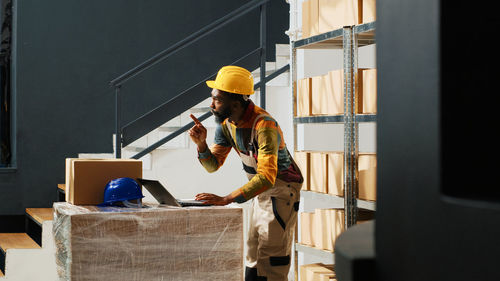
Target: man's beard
(221, 116)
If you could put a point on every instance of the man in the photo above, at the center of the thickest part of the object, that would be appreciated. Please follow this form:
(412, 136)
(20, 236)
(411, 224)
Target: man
(274, 178)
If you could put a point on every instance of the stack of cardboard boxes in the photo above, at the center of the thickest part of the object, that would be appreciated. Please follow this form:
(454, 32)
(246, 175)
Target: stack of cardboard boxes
(324, 173)
(321, 228)
(320, 16)
(324, 95)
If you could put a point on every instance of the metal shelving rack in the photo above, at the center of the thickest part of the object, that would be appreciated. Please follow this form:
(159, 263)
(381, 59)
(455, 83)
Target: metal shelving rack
(349, 39)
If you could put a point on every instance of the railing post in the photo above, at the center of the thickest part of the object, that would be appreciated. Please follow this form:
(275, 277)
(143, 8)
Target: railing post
(263, 35)
(118, 129)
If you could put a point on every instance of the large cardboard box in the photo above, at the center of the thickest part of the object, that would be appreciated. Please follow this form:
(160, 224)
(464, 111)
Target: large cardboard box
(319, 96)
(157, 243)
(334, 85)
(336, 173)
(323, 229)
(367, 167)
(334, 14)
(327, 95)
(307, 228)
(304, 97)
(314, 272)
(369, 12)
(86, 179)
(310, 18)
(318, 179)
(368, 88)
(304, 162)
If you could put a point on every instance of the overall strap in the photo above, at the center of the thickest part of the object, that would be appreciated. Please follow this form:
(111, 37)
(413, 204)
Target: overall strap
(252, 134)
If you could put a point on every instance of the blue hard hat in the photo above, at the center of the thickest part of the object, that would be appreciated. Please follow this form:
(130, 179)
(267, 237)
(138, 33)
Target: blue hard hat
(121, 189)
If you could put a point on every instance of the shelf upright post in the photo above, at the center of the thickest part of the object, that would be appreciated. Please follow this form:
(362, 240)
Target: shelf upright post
(293, 87)
(349, 171)
(355, 128)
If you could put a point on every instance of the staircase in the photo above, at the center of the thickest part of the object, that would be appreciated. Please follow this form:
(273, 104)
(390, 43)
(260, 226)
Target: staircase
(36, 246)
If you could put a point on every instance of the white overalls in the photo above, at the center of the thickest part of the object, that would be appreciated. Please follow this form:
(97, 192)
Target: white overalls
(273, 217)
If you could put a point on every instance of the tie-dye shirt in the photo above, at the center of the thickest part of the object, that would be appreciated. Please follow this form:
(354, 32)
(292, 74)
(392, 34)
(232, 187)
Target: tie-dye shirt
(273, 159)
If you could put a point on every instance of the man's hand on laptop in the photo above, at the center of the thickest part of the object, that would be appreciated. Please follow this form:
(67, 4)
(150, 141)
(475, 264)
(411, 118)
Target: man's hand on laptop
(209, 198)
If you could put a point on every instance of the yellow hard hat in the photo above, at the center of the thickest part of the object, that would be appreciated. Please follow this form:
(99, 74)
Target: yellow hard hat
(233, 79)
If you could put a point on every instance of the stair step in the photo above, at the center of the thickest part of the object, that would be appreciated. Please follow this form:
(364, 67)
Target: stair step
(200, 109)
(41, 214)
(16, 241)
(61, 192)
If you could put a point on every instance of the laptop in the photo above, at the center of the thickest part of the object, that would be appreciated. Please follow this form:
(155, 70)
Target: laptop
(161, 194)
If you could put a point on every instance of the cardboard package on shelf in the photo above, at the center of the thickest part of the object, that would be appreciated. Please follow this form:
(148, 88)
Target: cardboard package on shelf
(304, 97)
(86, 179)
(329, 224)
(368, 88)
(155, 243)
(304, 162)
(336, 173)
(307, 229)
(319, 96)
(367, 167)
(318, 180)
(310, 18)
(327, 96)
(317, 272)
(369, 11)
(334, 14)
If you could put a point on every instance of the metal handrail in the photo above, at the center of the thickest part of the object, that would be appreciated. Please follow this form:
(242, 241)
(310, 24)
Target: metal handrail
(272, 76)
(119, 81)
(187, 41)
(212, 76)
(201, 118)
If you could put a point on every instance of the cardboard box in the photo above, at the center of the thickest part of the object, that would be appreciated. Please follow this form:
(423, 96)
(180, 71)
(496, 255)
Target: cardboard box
(313, 272)
(157, 243)
(367, 167)
(323, 229)
(304, 97)
(86, 179)
(336, 173)
(368, 88)
(328, 225)
(338, 224)
(304, 162)
(327, 277)
(318, 180)
(307, 222)
(327, 96)
(369, 12)
(334, 85)
(310, 18)
(335, 14)
(319, 96)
